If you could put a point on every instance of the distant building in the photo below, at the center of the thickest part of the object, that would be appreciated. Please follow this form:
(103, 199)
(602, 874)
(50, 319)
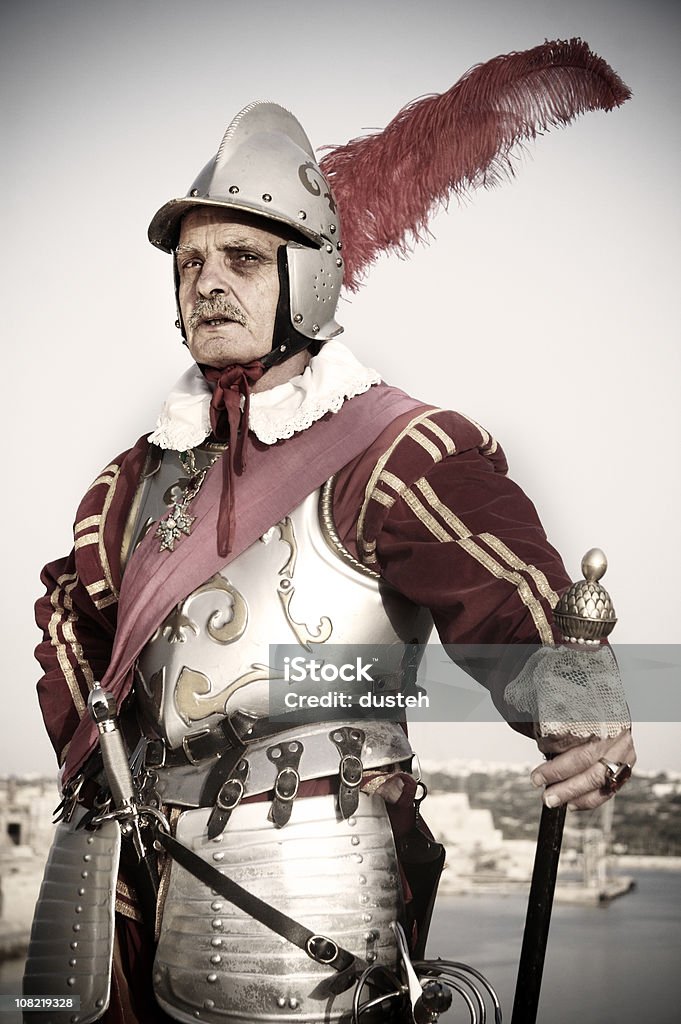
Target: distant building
(26, 807)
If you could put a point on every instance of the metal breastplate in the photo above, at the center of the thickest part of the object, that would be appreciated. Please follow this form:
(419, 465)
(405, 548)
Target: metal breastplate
(295, 586)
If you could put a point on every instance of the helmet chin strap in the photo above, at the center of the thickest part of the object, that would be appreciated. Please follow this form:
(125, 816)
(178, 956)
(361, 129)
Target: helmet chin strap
(286, 340)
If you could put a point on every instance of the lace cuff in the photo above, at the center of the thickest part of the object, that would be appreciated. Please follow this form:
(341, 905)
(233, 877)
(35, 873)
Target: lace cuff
(568, 691)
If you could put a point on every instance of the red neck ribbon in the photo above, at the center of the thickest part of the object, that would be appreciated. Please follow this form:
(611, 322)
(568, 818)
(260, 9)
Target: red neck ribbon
(230, 424)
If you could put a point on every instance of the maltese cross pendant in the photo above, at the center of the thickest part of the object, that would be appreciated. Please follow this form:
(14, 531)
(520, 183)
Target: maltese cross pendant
(174, 526)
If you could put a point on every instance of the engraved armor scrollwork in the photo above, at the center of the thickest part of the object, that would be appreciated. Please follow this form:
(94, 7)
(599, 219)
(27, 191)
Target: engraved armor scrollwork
(286, 589)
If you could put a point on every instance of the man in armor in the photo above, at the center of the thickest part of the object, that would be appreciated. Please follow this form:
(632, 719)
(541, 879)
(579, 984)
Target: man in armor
(286, 497)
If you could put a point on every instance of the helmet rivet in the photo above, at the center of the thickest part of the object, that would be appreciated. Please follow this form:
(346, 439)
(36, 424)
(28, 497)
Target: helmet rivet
(298, 318)
(332, 229)
(302, 215)
(267, 197)
(329, 248)
(339, 262)
(282, 348)
(339, 246)
(194, 192)
(315, 328)
(177, 324)
(233, 189)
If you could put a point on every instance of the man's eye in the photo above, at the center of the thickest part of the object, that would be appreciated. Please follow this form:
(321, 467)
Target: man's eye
(248, 257)
(190, 264)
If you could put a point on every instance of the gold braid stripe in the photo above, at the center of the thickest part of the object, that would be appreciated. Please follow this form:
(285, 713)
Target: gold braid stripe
(441, 435)
(467, 543)
(97, 588)
(84, 523)
(489, 444)
(426, 444)
(69, 581)
(543, 585)
(102, 550)
(378, 468)
(445, 513)
(426, 518)
(89, 538)
(383, 499)
(103, 478)
(104, 602)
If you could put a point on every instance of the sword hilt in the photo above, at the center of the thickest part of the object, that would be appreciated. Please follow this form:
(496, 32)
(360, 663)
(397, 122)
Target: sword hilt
(102, 708)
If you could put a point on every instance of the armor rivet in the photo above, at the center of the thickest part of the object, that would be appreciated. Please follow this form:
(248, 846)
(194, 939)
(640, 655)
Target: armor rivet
(364, 898)
(339, 246)
(267, 198)
(74, 1019)
(368, 936)
(216, 941)
(366, 918)
(90, 840)
(216, 958)
(73, 945)
(211, 978)
(332, 229)
(87, 856)
(194, 192)
(209, 1004)
(339, 262)
(298, 318)
(358, 858)
(79, 909)
(293, 1002)
(329, 248)
(352, 821)
(282, 348)
(362, 879)
(276, 752)
(71, 981)
(217, 924)
(315, 328)
(337, 737)
(233, 189)
(99, 1002)
(216, 905)
(76, 928)
(219, 856)
(355, 840)
(302, 215)
(72, 962)
(81, 892)
(293, 747)
(281, 1001)
(371, 956)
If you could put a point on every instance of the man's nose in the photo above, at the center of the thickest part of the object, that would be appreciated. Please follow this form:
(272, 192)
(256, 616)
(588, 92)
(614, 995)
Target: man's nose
(214, 277)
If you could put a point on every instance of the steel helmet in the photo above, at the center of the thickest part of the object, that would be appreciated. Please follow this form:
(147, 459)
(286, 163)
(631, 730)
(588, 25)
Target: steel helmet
(265, 166)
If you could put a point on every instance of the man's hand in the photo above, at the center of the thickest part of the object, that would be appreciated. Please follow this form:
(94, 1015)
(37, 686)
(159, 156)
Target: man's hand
(575, 775)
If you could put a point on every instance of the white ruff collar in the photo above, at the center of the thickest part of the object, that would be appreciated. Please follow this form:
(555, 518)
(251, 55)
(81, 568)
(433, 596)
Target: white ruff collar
(330, 378)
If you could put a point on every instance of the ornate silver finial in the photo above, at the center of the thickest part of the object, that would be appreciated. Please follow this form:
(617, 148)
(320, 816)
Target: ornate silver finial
(585, 613)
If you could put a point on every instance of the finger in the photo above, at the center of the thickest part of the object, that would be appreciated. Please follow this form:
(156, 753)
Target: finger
(575, 787)
(579, 759)
(590, 801)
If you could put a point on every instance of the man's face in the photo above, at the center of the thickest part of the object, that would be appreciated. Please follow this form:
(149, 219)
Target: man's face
(229, 286)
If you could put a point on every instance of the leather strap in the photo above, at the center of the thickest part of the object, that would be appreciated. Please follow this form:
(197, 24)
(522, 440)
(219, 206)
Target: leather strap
(229, 796)
(286, 758)
(319, 948)
(349, 743)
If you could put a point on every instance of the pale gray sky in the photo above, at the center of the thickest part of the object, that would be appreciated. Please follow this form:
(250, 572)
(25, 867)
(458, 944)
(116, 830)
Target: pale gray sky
(547, 308)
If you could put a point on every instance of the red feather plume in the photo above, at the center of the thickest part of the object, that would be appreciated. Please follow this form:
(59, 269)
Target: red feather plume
(388, 184)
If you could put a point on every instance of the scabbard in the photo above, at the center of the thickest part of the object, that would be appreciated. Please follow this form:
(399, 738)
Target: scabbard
(538, 919)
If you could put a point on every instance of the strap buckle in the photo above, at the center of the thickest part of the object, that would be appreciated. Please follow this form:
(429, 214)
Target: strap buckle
(321, 949)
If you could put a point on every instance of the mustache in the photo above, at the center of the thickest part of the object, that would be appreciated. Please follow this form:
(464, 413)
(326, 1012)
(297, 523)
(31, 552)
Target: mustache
(216, 307)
